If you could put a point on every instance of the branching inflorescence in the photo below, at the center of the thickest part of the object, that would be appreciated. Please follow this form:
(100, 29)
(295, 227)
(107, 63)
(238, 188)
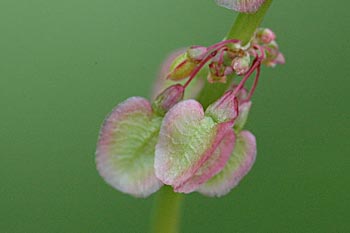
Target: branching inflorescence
(174, 140)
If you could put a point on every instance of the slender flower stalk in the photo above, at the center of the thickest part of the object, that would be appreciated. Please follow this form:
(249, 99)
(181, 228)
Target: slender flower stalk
(167, 211)
(199, 67)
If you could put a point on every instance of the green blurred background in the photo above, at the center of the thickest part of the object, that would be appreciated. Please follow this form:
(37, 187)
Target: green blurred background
(65, 64)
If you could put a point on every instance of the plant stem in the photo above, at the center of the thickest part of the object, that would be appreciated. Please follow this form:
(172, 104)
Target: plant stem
(167, 210)
(242, 29)
(245, 24)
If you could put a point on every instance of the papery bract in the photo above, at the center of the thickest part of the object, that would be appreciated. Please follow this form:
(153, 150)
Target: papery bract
(125, 149)
(239, 164)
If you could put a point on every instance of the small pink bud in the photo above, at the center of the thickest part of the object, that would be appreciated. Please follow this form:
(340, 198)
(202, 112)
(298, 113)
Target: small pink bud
(273, 55)
(161, 82)
(181, 67)
(265, 35)
(280, 59)
(224, 109)
(272, 50)
(241, 64)
(228, 70)
(197, 53)
(168, 98)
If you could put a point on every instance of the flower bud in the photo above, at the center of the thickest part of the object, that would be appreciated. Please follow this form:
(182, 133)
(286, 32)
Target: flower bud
(265, 35)
(272, 50)
(168, 98)
(161, 82)
(224, 109)
(280, 59)
(241, 64)
(181, 67)
(228, 70)
(197, 53)
(273, 55)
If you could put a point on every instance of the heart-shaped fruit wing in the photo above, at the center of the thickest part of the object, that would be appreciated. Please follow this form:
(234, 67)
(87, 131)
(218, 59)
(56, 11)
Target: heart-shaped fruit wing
(239, 164)
(187, 141)
(126, 146)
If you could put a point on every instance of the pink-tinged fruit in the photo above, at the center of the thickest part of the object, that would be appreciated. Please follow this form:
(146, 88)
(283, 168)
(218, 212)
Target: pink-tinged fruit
(241, 64)
(181, 67)
(244, 6)
(265, 35)
(168, 98)
(280, 59)
(239, 164)
(273, 55)
(244, 109)
(162, 82)
(197, 53)
(187, 141)
(222, 148)
(224, 109)
(126, 147)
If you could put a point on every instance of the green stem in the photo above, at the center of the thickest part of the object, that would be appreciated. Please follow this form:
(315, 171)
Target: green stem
(243, 29)
(245, 24)
(167, 210)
